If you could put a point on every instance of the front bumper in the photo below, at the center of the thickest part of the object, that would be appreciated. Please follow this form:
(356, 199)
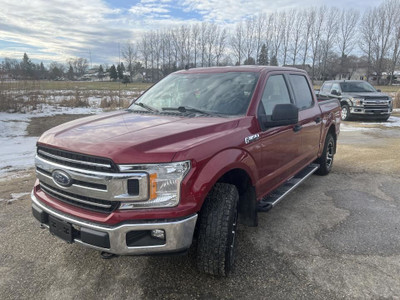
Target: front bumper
(131, 238)
(359, 110)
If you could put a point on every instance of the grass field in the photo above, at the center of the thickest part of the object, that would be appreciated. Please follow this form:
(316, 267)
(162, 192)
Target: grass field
(73, 85)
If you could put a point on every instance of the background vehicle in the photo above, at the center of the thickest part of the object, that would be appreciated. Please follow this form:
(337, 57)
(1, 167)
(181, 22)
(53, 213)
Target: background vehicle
(358, 99)
(195, 154)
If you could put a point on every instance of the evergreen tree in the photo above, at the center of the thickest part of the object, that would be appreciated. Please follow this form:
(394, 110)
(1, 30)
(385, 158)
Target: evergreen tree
(120, 72)
(100, 73)
(249, 61)
(123, 67)
(274, 61)
(27, 67)
(263, 57)
(113, 73)
(70, 73)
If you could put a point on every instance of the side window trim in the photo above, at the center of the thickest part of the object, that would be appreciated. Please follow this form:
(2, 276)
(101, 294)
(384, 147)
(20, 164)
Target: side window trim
(294, 94)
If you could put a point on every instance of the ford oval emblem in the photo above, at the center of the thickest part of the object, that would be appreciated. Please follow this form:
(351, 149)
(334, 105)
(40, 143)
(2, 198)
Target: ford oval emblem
(61, 178)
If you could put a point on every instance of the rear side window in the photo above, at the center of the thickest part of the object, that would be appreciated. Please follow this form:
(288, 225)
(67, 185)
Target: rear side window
(302, 91)
(275, 92)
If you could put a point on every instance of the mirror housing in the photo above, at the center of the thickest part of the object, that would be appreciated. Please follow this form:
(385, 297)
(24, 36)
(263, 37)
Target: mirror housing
(379, 90)
(283, 114)
(335, 92)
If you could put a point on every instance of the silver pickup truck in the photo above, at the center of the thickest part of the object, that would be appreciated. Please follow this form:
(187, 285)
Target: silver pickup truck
(358, 99)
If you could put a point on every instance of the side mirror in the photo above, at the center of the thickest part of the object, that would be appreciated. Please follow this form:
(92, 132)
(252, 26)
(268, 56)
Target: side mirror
(379, 90)
(283, 114)
(335, 92)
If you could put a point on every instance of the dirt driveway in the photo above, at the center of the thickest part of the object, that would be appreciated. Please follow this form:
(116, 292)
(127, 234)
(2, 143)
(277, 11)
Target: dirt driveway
(334, 237)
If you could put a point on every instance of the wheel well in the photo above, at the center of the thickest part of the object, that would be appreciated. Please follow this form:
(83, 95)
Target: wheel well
(247, 206)
(332, 130)
(343, 103)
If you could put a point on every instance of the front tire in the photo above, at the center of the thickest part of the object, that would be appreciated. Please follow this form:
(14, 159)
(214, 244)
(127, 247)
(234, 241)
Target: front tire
(325, 161)
(217, 230)
(345, 113)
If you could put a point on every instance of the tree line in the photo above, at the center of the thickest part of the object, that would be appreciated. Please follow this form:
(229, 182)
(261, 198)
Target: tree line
(328, 41)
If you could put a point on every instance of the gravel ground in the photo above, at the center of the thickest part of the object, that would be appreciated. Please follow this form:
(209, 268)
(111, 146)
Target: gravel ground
(334, 237)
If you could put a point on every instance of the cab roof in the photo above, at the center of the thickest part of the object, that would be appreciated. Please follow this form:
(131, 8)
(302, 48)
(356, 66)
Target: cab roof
(251, 68)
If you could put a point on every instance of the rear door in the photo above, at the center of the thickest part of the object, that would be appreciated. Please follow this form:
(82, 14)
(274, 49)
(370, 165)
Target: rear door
(309, 117)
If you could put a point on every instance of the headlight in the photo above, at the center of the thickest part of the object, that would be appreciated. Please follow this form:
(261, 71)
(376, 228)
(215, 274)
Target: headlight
(357, 101)
(164, 183)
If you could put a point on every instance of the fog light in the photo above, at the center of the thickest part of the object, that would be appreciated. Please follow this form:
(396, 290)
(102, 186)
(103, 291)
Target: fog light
(158, 234)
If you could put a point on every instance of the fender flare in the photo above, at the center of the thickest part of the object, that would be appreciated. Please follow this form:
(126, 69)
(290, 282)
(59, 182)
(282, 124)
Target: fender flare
(220, 164)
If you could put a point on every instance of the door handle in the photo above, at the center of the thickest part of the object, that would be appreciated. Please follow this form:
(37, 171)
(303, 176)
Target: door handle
(317, 120)
(297, 128)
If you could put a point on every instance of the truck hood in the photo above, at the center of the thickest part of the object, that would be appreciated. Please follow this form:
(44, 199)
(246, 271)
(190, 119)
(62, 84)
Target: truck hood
(376, 95)
(128, 137)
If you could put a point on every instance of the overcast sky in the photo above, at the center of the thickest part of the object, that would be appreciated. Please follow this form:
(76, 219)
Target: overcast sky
(56, 30)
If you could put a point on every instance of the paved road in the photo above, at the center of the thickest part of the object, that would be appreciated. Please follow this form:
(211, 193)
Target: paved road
(334, 237)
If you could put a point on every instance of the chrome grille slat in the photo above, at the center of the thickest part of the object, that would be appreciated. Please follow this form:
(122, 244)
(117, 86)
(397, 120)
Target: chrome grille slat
(46, 187)
(74, 160)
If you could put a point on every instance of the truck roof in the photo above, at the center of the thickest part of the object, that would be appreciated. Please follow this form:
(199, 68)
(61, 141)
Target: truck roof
(250, 68)
(344, 80)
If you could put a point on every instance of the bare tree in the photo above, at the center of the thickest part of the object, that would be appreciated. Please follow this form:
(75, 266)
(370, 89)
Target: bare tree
(316, 33)
(260, 35)
(129, 54)
(195, 42)
(249, 39)
(330, 31)
(237, 42)
(395, 40)
(310, 16)
(386, 17)
(367, 29)
(347, 33)
(278, 32)
(220, 45)
(298, 22)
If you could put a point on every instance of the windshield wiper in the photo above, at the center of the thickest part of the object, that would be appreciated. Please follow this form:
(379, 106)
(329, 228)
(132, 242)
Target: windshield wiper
(145, 106)
(184, 109)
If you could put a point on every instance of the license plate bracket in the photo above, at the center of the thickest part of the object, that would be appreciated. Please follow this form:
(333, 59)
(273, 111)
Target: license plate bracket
(61, 229)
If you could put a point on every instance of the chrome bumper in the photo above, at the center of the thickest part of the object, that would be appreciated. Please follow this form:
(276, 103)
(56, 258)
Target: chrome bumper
(178, 234)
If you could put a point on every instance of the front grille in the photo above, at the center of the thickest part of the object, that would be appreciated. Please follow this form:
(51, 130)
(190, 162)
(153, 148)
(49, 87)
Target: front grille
(77, 160)
(80, 201)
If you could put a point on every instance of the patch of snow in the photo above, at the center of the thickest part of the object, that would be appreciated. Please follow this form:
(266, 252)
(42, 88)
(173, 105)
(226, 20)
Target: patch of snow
(14, 196)
(17, 151)
(391, 122)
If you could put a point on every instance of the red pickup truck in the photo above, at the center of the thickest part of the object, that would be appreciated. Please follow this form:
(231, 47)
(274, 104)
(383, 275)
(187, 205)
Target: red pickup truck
(200, 151)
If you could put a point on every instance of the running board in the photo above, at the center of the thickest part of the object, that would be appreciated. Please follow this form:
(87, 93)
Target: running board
(272, 199)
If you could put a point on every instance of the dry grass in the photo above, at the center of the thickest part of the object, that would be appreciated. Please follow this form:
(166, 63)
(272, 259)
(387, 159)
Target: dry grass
(24, 96)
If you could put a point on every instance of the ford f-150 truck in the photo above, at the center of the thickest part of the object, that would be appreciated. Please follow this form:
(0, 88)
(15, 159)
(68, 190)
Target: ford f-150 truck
(358, 99)
(197, 153)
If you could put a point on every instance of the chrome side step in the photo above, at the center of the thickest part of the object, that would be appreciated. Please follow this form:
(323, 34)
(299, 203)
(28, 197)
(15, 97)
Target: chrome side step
(272, 199)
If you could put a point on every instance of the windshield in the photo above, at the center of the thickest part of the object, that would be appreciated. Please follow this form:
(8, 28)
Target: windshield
(356, 87)
(218, 93)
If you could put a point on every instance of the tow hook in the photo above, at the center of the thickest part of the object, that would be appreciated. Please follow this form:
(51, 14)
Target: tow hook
(107, 255)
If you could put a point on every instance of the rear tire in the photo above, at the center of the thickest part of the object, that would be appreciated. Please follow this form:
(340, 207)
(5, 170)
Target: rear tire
(217, 230)
(345, 113)
(325, 161)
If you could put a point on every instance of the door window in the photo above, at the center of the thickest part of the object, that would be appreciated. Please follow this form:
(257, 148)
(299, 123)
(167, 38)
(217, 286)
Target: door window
(275, 92)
